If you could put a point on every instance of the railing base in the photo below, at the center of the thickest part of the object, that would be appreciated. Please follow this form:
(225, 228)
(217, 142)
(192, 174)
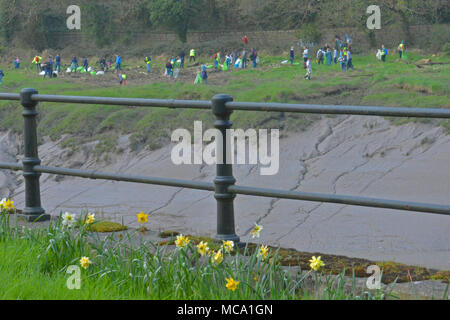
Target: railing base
(34, 218)
(227, 237)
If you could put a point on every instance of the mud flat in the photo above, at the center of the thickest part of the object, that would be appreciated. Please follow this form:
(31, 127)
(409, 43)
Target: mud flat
(349, 155)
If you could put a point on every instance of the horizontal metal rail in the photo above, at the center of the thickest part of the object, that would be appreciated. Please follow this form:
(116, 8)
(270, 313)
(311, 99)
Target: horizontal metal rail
(11, 166)
(92, 174)
(243, 106)
(251, 191)
(342, 199)
(350, 110)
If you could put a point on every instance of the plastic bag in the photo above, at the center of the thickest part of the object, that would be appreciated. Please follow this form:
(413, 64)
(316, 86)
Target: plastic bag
(257, 60)
(237, 63)
(100, 73)
(379, 55)
(93, 73)
(69, 70)
(225, 67)
(284, 62)
(90, 69)
(42, 73)
(176, 72)
(198, 79)
(80, 68)
(404, 56)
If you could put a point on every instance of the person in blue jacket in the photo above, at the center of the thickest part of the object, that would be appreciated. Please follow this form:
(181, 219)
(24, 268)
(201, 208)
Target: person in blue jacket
(384, 53)
(329, 57)
(1, 76)
(86, 64)
(119, 62)
(58, 63)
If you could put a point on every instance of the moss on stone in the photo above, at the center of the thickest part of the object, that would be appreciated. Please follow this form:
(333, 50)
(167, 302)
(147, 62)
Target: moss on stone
(442, 275)
(107, 226)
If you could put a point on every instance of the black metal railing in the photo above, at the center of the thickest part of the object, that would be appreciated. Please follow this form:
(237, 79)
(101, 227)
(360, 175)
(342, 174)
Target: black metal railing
(223, 186)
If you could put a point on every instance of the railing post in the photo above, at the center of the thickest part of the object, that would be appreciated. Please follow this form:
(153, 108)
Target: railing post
(224, 178)
(32, 210)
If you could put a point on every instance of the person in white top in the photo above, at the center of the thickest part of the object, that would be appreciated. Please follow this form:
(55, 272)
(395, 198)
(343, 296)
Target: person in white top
(308, 69)
(305, 54)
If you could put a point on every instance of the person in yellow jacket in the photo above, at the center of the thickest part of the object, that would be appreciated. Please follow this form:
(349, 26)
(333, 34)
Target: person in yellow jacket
(37, 60)
(122, 79)
(401, 49)
(192, 55)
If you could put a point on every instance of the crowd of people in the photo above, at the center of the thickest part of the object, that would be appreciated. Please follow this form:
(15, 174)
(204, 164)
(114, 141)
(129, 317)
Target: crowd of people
(236, 59)
(340, 53)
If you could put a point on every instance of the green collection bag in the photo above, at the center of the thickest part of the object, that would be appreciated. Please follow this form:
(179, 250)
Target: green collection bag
(93, 73)
(80, 68)
(225, 67)
(83, 71)
(198, 79)
(404, 56)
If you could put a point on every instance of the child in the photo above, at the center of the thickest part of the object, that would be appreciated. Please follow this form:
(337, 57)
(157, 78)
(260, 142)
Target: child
(335, 56)
(308, 69)
(122, 79)
(169, 69)
(17, 63)
(228, 61)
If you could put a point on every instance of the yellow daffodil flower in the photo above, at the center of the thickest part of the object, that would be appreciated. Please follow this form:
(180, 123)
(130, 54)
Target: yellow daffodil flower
(202, 248)
(7, 204)
(316, 263)
(231, 284)
(142, 217)
(228, 246)
(217, 258)
(85, 262)
(182, 241)
(90, 218)
(263, 252)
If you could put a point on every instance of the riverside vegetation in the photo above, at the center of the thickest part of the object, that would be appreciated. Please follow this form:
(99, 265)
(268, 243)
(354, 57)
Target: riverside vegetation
(395, 83)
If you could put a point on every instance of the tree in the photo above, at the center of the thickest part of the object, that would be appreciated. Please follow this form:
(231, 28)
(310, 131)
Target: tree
(177, 15)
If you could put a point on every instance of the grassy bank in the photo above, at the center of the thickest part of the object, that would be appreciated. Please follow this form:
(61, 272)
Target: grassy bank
(394, 83)
(34, 265)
